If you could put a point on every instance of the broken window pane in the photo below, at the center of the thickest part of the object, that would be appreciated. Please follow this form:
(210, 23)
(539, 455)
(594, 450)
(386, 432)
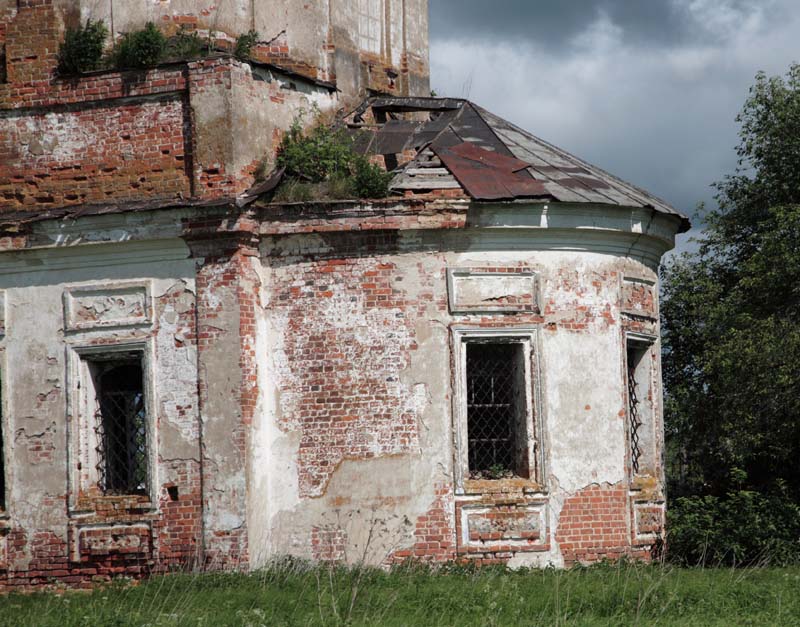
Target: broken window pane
(496, 410)
(121, 428)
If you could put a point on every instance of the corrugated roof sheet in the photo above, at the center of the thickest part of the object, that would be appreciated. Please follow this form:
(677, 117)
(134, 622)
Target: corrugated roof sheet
(465, 137)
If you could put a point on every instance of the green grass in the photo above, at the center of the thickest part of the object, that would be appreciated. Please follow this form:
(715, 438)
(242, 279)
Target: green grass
(622, 594)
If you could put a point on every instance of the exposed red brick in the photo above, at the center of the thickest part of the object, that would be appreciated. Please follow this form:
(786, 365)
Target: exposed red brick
(595, 524)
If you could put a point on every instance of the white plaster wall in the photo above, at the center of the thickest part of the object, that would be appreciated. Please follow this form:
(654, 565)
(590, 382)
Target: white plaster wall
(581, 387)
(34, 362)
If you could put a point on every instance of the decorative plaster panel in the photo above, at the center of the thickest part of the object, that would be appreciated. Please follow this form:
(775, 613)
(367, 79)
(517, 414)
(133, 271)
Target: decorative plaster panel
(2, 313)
(99, 540)
(103, 307)
(515, 527)
(648, 521)
(491, 290)
(639, 297)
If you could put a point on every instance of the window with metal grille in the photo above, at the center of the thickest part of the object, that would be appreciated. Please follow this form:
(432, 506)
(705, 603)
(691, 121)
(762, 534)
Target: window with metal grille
(634, 418)
(641, 406)
(496, 410)
(121, 426)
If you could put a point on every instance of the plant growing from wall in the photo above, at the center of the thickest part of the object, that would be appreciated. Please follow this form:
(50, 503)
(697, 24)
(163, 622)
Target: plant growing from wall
(369, 179)
(245, 44)
(315, 155)
(186, 44)
(324, 156)
(82, 49)
(141, 49)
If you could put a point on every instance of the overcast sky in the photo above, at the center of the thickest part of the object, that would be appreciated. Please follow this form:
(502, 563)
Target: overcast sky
(647, 89)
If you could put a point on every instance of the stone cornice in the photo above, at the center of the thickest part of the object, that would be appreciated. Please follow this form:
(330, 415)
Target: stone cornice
(427, 224)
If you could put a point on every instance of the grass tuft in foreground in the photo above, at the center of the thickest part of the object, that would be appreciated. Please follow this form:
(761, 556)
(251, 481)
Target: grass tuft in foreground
(293, 593)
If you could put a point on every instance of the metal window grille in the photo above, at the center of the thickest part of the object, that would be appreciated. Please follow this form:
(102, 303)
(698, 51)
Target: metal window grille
(633, 412)
(493, 398)
(121, 430)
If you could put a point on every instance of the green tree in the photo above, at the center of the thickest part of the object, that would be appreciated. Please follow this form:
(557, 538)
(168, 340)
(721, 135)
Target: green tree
(731, 317)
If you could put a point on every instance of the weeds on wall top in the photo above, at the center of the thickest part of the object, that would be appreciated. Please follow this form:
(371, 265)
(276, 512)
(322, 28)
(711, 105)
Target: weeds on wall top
(245, 42)
(140, 49)
(187, 44)
(321, 162)
(82, 49)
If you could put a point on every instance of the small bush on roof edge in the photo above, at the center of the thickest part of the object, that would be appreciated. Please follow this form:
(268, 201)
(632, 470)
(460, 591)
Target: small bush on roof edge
(244, 45)
(141, 49)
(82, 49)
(369, 179)
(323, 154)
(186, 44)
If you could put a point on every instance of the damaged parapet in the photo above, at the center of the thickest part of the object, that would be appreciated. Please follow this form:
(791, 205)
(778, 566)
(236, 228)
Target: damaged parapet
(467, 369)
(187, 129)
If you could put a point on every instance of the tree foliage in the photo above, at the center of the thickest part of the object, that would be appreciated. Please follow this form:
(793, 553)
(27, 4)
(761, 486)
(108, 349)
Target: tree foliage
(731, 317)
(743, 528)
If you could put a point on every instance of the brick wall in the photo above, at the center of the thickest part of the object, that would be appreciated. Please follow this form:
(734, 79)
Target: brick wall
(340, 383)
(117, 136)
(595, 524)
(79, 154)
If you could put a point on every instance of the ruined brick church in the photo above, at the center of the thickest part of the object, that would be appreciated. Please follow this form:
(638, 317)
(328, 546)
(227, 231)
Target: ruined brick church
(195, 374)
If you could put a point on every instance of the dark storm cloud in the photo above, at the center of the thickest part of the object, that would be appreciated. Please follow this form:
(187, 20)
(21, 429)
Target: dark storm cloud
(554, 23)
(648, 89)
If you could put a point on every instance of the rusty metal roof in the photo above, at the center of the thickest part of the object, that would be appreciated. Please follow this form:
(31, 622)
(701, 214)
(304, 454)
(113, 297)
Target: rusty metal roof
(459, 144)
(489, 175)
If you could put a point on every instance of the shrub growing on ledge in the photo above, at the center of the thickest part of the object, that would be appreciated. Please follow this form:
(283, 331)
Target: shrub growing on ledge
(141, 49)
(324, 157)
(369, 179)
(186, 44)
(244, 45)
(82, 50)
(315, 155)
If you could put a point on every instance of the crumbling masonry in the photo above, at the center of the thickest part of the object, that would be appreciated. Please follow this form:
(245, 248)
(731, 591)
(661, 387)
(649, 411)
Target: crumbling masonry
(193, 375)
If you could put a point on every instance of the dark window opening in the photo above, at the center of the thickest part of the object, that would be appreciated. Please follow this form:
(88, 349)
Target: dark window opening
(121, 427)
(496, 410)
(3, 69)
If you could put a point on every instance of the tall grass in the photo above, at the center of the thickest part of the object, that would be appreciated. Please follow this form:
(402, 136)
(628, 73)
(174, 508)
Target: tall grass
(294, 593)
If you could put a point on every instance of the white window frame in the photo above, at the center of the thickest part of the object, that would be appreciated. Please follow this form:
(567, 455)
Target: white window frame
(371, 25)
(80, 425)
(528, 337)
